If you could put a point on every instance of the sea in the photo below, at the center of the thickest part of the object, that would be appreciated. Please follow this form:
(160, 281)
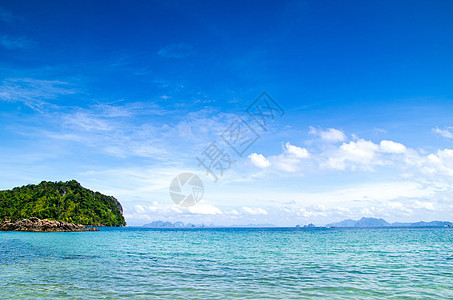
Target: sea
(229, 263)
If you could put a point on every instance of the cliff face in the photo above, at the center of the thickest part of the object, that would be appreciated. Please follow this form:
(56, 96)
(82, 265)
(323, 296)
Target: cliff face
(64, 201)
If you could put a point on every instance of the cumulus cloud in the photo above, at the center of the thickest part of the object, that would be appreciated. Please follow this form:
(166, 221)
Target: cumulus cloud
(330, 134)
(360, 154)
(392, 147)
(290, 160)
(259, 160)
(363, 155)
(296, 152)
(440, 162)
(204, 209)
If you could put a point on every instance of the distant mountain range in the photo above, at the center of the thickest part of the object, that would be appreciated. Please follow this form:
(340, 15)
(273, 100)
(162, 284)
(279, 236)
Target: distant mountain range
(363, 222)
(375, 222)
(163, 224)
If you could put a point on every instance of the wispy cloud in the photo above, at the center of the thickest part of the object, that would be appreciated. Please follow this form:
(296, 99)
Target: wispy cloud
(15, 43)
(254, 211)
(6, 16)
(330, 134)
(33, 92)
(120, 129)
(447, 133)
(111, 130)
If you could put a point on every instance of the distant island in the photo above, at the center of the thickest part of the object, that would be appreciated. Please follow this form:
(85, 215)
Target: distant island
(362, 223)
(65, 202)
(378, 222)
(166, 224)
(311, 225)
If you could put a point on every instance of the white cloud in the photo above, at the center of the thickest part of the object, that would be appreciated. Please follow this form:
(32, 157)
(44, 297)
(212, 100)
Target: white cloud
(342, 211)
(204, 209)
(440, 163)
(288, 161)
(311, 212)
(121, 130)
(254, 211)
(361, 154)
(398, 206)
(140, 209)
(296, 152)
(392, 147)
(371, 211)
(424, 205)
(259, 160)
(387, 191)
(33, 92)
(87, 122)
(139, 213)
(444, 132)
(176, 209)
(330, 134)
(419, 180)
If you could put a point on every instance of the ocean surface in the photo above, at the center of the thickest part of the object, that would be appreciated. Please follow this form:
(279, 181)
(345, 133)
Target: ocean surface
(275, 263)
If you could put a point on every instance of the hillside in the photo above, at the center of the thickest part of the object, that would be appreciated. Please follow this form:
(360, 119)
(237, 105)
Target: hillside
(62, 201)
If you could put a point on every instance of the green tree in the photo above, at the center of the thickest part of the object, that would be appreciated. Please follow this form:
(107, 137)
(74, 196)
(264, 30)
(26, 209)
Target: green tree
(63, 201)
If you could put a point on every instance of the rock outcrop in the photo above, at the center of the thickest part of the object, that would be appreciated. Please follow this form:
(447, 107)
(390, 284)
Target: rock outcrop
(37, 225)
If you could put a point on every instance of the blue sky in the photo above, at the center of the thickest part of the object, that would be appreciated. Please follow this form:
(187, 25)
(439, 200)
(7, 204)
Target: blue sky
(123, 96)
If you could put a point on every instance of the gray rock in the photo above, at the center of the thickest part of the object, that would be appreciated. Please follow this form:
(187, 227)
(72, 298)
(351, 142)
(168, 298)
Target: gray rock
(34, 224)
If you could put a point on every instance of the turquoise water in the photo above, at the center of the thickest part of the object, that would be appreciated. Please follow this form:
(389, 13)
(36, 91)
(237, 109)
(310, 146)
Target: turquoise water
(228, 263)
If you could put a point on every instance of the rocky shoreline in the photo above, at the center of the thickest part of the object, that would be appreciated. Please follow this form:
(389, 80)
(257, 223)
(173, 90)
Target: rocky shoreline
(36, 225)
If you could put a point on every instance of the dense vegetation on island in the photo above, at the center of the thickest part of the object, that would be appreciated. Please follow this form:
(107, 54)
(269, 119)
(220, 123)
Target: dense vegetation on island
(62, 201)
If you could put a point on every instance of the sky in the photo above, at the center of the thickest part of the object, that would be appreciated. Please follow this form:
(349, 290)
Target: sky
(123, 96)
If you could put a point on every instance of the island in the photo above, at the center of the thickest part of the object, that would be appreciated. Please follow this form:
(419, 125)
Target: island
(57, 206)
(378, 222)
